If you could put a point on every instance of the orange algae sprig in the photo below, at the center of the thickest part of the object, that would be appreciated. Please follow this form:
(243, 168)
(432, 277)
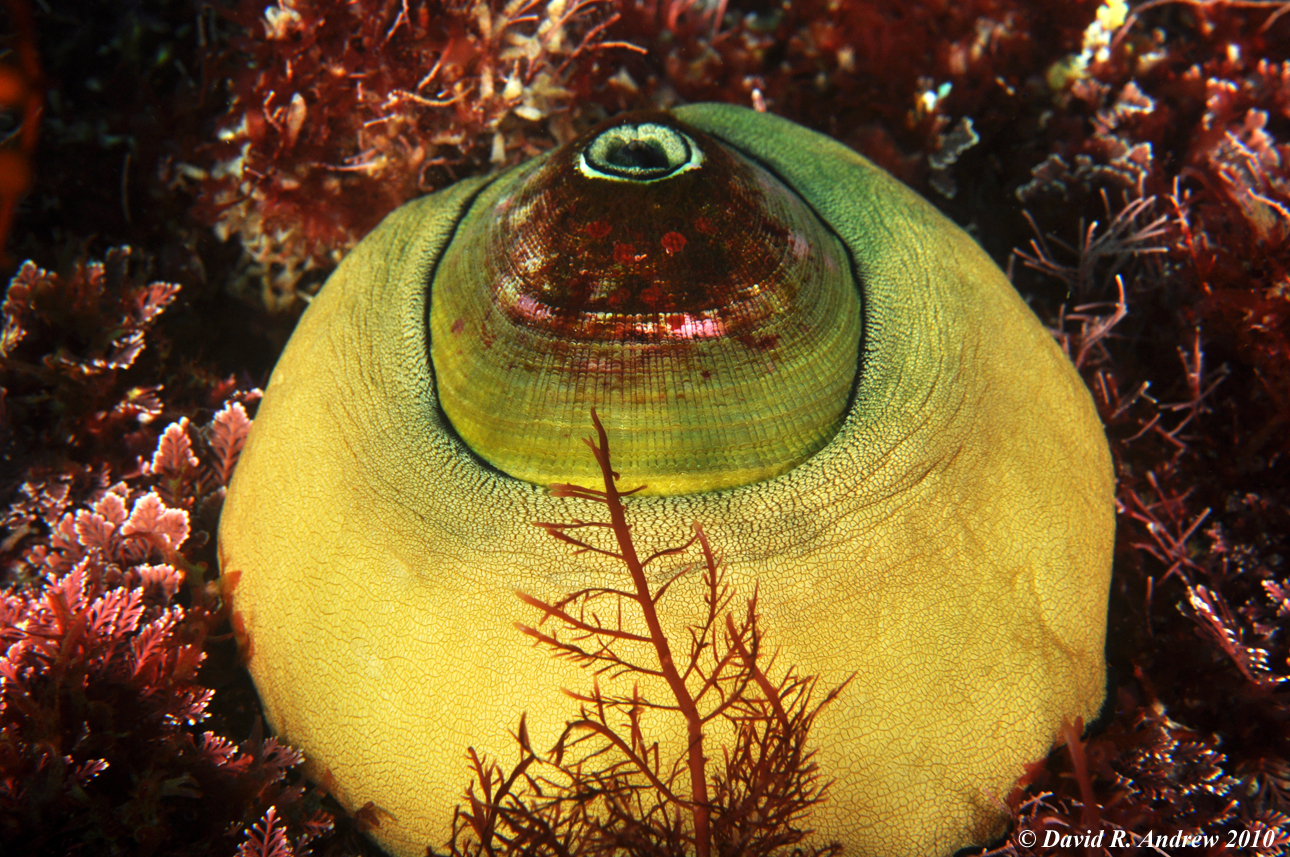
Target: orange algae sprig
(340, 112)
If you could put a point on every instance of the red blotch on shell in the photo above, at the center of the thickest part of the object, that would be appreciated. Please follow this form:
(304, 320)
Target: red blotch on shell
(458, 325)
(599, 228)
(652, 295)
(674, 242)
(625, 254)
(760, 343)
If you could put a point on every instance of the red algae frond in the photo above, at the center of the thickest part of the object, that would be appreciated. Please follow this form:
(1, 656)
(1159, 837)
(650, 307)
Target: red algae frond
(340, 112)
(605, 788)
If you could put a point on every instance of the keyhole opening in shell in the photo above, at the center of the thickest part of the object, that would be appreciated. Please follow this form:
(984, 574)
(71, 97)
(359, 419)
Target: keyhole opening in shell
(643, 152)
(640, 155)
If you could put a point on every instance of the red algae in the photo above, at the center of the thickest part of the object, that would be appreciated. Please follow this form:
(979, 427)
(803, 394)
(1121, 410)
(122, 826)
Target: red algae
(1135, 158)
(750, 799)
(340, 112)
(106, 620)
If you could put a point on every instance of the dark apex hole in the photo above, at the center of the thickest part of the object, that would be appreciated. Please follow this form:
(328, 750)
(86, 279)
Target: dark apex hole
(640, 155)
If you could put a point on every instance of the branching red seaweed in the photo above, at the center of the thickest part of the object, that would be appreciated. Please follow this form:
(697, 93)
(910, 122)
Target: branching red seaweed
(607, 787)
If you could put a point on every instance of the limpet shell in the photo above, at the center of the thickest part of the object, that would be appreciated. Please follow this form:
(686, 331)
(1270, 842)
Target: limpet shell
(696, 302)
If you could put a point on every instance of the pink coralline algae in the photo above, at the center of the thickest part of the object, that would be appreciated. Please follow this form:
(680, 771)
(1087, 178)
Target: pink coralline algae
(107, 620)
(99, 688)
